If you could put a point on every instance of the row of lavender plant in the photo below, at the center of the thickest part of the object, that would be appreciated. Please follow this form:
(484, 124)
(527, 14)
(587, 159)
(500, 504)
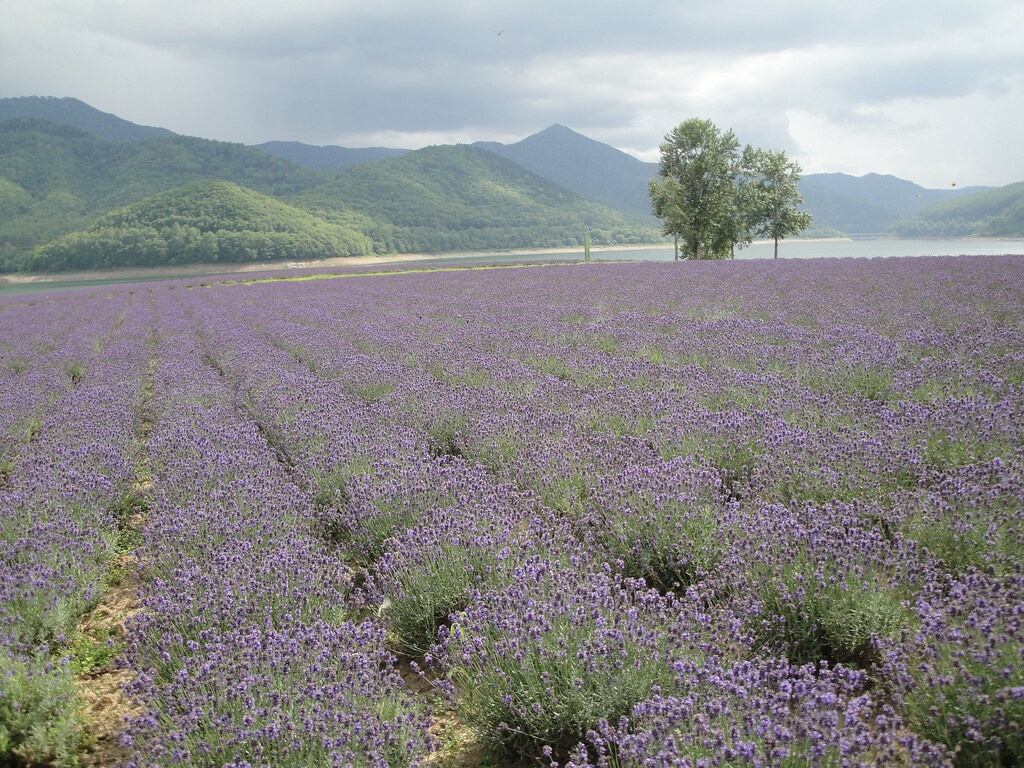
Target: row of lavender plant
(710, 466)
(437, 536)
(246, 652)
(925, 471)
(816, 466)
(63, 510)
(44, 345)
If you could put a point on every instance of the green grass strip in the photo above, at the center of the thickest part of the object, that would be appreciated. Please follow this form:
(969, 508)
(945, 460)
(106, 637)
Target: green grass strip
(379, 272)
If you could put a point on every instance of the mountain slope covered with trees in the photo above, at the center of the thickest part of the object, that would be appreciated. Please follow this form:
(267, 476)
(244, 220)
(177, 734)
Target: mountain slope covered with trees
(58, 184)
(57, 179)
(839, 203)
(459, 197)
(990, 213)
(64, 165)
(329, 159)
(206, 222)
(78, 114)
(589, 168)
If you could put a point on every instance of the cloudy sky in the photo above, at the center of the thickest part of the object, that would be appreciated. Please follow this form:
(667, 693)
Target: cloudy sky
(928, 90)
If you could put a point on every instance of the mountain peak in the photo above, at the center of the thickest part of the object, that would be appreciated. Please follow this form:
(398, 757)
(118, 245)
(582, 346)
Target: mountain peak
(594, 170)
(556, 128)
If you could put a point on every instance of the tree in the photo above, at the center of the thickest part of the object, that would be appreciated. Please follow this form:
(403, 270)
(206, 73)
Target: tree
(774, 196)
(714, 198)
(697, 193)
(666, 199)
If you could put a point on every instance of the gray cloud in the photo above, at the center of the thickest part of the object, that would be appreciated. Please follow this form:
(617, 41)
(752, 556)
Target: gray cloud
(823, 81)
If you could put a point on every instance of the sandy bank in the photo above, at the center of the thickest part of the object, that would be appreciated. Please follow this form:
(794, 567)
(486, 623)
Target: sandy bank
(198, 270)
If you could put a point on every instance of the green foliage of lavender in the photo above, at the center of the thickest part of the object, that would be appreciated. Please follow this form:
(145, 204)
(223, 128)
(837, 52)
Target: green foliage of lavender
(433, 569)
(69, 456)
(39, 719)
(962, 672)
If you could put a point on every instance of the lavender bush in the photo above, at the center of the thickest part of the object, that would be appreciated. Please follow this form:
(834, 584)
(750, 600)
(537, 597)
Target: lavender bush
(245, 653)
(761, 712)
(544, 660)
(962, 677)
(433, 569)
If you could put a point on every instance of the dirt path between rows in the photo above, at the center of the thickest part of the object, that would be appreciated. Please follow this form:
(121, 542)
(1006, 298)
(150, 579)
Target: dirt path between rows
(105, 705)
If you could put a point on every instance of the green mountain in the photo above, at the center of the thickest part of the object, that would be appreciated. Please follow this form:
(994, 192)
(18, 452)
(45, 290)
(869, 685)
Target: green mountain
(326, 159)
(60, 187)
(210, 221)
(78, 114)
(595, 171)
(846, 213)
(587, 167)
(839, 202)
(57, 179)
(42, 156)
(447, 198)
(989, 213)
(869, 204)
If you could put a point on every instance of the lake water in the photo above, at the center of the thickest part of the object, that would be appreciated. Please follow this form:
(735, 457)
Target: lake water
(788, 249)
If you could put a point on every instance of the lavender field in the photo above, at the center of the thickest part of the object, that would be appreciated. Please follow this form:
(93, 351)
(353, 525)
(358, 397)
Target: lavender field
(705, 514)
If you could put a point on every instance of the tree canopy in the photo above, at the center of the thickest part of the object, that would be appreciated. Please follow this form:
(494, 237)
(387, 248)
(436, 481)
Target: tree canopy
(211, 221)
(712, 197)
(772, 196)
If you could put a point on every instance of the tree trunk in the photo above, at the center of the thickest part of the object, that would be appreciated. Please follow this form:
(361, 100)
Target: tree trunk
(776, 247)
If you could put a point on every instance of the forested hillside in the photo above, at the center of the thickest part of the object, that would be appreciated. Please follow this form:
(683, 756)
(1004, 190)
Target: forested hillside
(56, 179)
(447, 198)
(78, 114)
(991, 213)
(65, 166)
(211, 221)
(589, 168)
(326, 159)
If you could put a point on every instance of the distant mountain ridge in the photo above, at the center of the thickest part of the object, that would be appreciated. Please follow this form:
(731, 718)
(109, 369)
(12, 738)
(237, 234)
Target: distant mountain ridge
(869, 204)
(463, 197)
(58, 178)
(988, 213)
(77, 113)
(326, 159)
(839, 202)
(856, 204)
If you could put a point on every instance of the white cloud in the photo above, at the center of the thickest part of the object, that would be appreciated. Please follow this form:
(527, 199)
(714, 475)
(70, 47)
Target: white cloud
(968, 139)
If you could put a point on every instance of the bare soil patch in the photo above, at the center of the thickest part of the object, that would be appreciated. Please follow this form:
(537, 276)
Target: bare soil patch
(106, 707)
(455, 743)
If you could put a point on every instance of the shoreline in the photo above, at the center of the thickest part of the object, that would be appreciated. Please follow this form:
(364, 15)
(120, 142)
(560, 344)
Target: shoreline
(204, 270)
(209, 270)
(187, 271)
